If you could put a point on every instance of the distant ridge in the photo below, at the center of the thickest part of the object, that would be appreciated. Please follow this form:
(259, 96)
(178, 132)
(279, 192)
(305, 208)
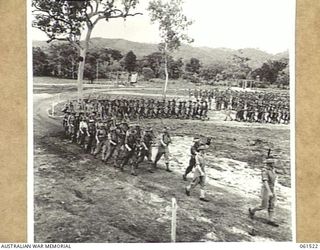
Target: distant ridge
(206, 55)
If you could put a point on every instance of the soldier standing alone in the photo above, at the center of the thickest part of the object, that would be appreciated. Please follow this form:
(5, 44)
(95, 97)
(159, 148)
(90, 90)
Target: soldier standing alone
(268, 192)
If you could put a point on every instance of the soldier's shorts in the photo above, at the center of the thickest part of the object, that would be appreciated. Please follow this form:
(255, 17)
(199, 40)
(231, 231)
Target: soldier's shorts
(163, 151)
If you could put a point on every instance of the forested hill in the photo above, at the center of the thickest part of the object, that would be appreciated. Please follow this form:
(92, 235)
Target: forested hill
(205, 54)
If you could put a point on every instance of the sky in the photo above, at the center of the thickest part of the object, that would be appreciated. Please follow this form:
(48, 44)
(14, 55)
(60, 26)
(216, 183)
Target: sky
(263, 24)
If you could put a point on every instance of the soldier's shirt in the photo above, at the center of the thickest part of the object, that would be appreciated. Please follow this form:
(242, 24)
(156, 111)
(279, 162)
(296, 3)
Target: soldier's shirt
(166, 139)
(194, 150)
(269, 175)
(130, 140)
(147, 139)
(102, 134)
(83, 125)
(114, 137)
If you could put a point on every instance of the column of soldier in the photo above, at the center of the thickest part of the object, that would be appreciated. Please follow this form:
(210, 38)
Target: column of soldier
(105, 126)
(260, 107)
(128, 144)
(136, 109)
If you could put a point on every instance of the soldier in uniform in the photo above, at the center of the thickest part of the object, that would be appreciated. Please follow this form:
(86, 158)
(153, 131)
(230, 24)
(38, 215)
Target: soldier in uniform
(189, 110)
(91, 134)
(147, 141)
(129, 148)
(119, 152)
(71, 120)
(163, 149)
(193, 151)
(183, 110)
(65, 123)
(192, 161)
(268, 192)
(173, 109)
(112, 143)
(199, 173)
(101, 140)
(139, 148)
(83, 129)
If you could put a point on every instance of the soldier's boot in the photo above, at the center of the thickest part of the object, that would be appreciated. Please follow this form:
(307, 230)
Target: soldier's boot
(184, 177)
(187, 189)
(271, 219)
(251, 213)
(167, 168)
(202, 196)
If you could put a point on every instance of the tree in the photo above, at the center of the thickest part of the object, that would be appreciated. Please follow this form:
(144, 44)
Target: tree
(130, 62)
(193, 66)
(172, 27)
(70, 20)
(238, 67)
(284, 76)
(90, 69)
(63, 60)
(212, 71)
(175, 68)
(154, 61)
(147, 73)
(269, 70)
(40, 62)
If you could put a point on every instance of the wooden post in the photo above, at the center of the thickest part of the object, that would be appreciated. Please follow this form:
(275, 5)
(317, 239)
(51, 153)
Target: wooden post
(173, 220)
(52, 109)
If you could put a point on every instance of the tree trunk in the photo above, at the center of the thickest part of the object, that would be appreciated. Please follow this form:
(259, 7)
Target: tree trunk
(83, 52)
(166, 72)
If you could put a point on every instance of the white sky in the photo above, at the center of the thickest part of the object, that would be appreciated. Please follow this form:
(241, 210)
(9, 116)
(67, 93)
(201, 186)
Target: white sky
(264, 24)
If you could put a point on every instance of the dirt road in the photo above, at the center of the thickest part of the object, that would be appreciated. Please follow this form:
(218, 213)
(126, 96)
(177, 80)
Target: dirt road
(80, 199)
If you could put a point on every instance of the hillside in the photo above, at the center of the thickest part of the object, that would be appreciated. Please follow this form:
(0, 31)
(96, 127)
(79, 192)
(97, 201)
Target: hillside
(205, 54)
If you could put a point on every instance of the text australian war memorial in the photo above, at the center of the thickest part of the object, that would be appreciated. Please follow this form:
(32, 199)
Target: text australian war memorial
(193, 142)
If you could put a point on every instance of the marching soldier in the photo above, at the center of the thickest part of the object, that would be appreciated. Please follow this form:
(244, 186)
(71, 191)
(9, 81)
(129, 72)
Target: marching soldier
(268, 192)
(129, 148)
(147, 141)
(112, 143)
(163, 149)
(101, 140)
(83, 131)
(119, 152)
(194, 151)
(199, 173)
(139, 149)
(71, 126)
(65, 123)
(192, 161)
(91, 135)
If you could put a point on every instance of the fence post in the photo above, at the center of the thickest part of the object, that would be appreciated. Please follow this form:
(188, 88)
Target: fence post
(174, 220)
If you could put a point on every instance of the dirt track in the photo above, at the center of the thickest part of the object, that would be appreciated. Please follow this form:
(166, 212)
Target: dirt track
(79, 199)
